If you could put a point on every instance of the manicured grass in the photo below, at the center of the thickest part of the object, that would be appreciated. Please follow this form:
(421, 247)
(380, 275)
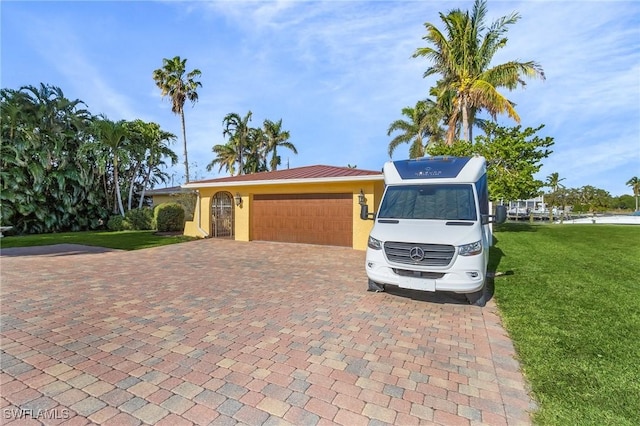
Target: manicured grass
(123, 240)
(570, 300)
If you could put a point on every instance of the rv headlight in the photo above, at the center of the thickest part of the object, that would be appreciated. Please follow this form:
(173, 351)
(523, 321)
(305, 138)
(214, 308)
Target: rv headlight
(374, 244)
(470, 249)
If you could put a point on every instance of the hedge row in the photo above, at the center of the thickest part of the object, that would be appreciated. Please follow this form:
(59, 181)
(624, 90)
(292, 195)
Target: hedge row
(165, 217)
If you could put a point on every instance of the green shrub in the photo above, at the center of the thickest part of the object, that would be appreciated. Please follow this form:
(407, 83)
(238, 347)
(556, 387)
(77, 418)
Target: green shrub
(188, 202)
(169, 217)
(117, 223)
(139, 219)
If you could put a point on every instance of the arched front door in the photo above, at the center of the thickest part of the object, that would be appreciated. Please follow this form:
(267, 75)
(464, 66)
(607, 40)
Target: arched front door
(222, 212)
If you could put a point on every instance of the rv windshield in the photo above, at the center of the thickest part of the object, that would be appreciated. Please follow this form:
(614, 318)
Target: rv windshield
(435, 201)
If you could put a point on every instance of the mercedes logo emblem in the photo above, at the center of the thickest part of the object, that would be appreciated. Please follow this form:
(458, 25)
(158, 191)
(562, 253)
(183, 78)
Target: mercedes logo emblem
(416, 254)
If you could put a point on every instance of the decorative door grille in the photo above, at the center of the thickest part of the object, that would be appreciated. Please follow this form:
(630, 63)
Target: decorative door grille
(222, 215)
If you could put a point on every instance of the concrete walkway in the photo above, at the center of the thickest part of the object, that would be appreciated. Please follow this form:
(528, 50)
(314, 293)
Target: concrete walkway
(226, 332)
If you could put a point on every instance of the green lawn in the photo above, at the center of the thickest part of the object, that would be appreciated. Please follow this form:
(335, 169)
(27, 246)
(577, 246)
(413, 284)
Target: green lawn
(123, 240)
(570, 299)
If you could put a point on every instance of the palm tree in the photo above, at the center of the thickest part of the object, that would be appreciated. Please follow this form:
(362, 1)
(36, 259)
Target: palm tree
(422, 122)
(553, 182)
(112, 135)
(634, 183)
(226, 156)
(154, 144)
(174, 81)
(275, 137)
(239, 132)
(462, 55)
(254, 152)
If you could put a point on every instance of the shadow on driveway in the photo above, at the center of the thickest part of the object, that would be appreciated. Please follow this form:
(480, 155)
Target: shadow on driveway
(54, 250)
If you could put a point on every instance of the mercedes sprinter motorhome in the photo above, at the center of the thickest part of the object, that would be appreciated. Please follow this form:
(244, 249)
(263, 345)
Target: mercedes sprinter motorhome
(432, 231)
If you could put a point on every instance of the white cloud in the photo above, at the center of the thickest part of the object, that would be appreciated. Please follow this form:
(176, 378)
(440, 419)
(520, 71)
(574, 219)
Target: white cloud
(66, 53)
(338, 72)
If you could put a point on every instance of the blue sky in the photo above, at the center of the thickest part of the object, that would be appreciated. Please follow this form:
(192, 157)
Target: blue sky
(336, 72)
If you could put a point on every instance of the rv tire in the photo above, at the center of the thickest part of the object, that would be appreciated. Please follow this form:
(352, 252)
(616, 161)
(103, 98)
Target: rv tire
(374, 286)
(478, 298)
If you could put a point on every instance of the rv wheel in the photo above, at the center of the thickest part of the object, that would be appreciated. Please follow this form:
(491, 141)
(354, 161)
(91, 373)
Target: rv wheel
(374, 286)
(478, 298)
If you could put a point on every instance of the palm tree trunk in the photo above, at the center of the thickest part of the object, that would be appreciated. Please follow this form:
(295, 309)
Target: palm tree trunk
(144, 187)
(466, 133)
(451, 131)
(274, 158)
(131, 186)
(184, 139)
(118, 194)
(106, 191)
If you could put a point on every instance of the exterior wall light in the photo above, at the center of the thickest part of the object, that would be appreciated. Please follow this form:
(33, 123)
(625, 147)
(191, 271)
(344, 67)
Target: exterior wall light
(238, 199)
(361, 198)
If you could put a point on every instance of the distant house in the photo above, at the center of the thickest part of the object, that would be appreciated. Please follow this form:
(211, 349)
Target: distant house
(521, 208)
(313, 205)
(164, 195)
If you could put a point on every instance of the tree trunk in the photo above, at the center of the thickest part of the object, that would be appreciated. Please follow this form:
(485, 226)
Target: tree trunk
(184, 139)
(466, 134)
(106, 191)
(451, 132)
(133, 178)
(118, 194)
(144, 187)
(241, 169)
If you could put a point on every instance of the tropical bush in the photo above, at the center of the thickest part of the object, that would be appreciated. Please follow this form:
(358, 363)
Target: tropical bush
(188, 203)
(117, 223)
(139, 219)
(48, 182)
(169, 217)
(65, 169)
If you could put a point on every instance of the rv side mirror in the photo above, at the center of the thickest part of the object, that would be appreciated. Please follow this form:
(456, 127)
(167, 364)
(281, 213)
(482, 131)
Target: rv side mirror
(501, 214)
(364, 212)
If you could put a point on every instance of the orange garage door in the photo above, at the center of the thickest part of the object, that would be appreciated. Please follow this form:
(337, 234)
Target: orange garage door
(303, 218)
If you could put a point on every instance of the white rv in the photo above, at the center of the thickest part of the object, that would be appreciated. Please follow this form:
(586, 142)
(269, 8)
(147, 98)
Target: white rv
(433, 228)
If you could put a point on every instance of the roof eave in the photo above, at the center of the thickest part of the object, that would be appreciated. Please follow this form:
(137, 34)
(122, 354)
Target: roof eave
(341, 179)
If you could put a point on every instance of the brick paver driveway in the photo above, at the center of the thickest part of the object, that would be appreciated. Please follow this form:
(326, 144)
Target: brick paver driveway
(226, 332)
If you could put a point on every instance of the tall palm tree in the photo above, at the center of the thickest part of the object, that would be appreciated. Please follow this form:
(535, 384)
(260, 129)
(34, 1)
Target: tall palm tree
(174, 81)
(239, 133)
(462, 55)
(254, 152)
(553, 181)
(112, 135)
(152, 145)
(422, 122)
(634, 183)
(226, 156)
(275, 137)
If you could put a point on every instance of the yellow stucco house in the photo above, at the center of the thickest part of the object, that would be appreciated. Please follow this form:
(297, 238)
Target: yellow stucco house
(312, 205)
(165, 195)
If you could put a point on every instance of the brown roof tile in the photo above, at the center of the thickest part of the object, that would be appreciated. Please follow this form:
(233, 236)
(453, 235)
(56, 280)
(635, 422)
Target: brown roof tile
(306, 172)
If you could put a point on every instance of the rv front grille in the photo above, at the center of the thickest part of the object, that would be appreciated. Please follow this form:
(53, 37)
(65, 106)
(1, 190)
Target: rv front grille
(419, 274)
(419, 254)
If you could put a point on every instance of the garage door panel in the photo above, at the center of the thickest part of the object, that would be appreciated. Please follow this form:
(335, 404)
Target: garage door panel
(303, 218)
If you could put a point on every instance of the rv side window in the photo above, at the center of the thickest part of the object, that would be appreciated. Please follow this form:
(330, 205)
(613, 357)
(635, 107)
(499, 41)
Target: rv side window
(483, 194)
(436, 201)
